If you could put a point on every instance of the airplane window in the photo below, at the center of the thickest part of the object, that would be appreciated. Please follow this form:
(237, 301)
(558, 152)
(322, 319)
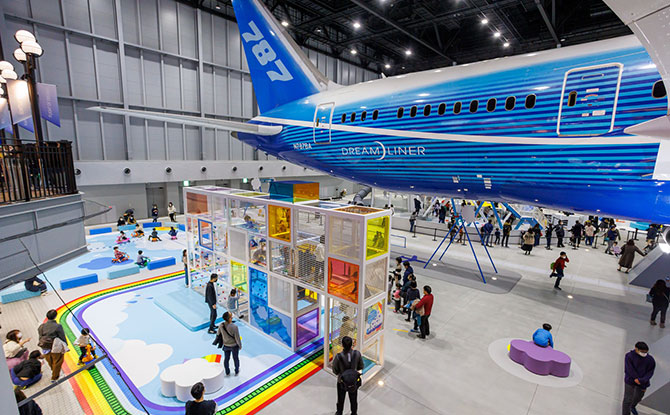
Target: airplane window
(658, 91)
(401, 110)
(426, 110)
(572, 98)
(353, 116)
(510, 103)
(364, 115)
(375, 114)
(442, 109)
(474, 104)
(530, 101)
(412, 111)
(457, 107)
(491, 104)
(344, 118)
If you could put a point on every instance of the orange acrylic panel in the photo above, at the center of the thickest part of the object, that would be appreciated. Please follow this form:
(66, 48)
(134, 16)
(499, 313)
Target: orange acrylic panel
(303, 192)
(343, 279)
(196, 203)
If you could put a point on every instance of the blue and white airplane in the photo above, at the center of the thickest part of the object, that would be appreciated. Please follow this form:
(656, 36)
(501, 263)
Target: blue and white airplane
(581, 128)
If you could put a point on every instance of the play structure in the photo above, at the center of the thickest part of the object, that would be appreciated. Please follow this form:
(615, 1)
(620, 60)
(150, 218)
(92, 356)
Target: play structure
(305, 269)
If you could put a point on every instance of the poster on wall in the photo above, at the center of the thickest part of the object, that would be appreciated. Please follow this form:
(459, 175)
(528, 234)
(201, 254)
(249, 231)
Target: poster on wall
(374, 319)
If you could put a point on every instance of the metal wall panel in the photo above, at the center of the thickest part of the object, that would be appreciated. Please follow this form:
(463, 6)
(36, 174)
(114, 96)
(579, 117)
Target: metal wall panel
(175, 141)
(104, 19)
(115, 143)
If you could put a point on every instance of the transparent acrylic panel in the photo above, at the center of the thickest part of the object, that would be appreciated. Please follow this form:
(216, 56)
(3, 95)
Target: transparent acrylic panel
(377, 237)
(250, 216)
(280, 295)
(238, 275)
(238, 243)
(258, 250)
(311, 227)
(372, 354)
(280, 222)
(374, 319)
(310, 264)
(345, 237)
(220, 238)
(205, 234)
(222, 268)
(375, 277)
(306, 298)
(343, 279)
(262, 316)
(342, 323)
(281, 260)
(307, 327)
(219, 211)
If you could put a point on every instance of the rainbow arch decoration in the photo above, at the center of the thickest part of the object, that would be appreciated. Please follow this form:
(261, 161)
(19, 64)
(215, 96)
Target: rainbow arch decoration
(101, 392)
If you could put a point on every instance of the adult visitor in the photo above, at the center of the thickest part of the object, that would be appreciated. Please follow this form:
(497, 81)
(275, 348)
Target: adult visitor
(639, 367)
(612, 235)
(232, 344)
(184, 260)
(558, 268)
(408, 271)
(628, 255)
(412, 221)
(53, 343)
(486, 233)
(537, 233)
(30, 408)
(660, 298)
(172, 212)
(589, 233)
(507, 229)
(528, 241)
(14, 348)
(542, 337)
(560, 234)
(199, 406)
(547, 234)
(426, 303)
(29, 371)
(35, 284)
(411, 295)
(154, 213)
(652, 233)
(210, 299)
(347, 366)
(576, 231)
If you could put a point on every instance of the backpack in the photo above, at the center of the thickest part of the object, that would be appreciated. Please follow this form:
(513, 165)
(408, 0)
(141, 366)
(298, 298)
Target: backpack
(350, 378)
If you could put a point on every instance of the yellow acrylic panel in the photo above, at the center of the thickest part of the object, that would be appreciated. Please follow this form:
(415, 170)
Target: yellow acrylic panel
(280, 222)
(377, 237)
(238, 275)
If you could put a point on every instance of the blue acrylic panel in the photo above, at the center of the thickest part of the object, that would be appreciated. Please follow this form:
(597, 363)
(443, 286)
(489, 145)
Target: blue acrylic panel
(262, 316)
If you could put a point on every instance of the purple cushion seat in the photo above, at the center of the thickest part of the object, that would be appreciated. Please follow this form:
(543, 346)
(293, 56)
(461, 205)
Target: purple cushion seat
(540, 360)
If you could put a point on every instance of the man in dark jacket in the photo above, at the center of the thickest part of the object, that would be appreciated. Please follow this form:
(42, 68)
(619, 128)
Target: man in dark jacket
(638, 369)
(29, 371)
(210, 299)
(560, 234)
(35, 284)
(507, 229)
(486, 234)
(48, 331)
(548, 232)
(577, 231)
(347, 359)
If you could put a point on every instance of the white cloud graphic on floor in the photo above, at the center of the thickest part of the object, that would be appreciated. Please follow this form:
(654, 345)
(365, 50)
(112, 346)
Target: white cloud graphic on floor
(141, 361)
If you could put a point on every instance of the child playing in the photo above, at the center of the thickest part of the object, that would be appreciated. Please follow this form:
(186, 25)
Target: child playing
(497, 234)
(141, 260)
(396, 297)
(154, 236)
(233, 302)
(139, 233)
(86, 348)
(616, 249)
(122, 239)
(119, 256)
(542, 337)
(173, 233)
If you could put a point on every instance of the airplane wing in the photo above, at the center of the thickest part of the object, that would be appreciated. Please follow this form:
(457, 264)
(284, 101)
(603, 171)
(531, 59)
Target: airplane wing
(235, 126)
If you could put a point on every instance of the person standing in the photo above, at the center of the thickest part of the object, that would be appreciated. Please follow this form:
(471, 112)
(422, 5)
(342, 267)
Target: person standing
(652, 233)
(408, 271)
(199, 406)
(558, 269)
(628, 255)
(528, 241)
(537, 233)
(577, 234)
(210, 299)
(154, 213)
(232, 344)
(507, 229)
(172, 212)
(347, 365)
(184, 259)
(660, 298)
(427, 303)
(612, 236)
(589, 232)
(52, 349)
(486, 234)
(560, 234)
(639, 367)
(412, 221)
(548, 232)
(411, 294)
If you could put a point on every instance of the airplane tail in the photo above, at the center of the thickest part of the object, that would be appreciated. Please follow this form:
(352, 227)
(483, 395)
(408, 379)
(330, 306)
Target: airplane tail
(280, 71)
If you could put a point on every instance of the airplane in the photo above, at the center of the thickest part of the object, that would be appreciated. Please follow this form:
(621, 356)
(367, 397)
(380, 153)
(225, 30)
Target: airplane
(581, 128)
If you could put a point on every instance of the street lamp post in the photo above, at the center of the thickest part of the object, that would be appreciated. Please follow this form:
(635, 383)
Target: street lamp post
(7, 69)
(28, 53)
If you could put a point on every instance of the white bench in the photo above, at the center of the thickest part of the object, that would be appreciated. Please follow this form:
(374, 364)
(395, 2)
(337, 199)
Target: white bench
(177, 380)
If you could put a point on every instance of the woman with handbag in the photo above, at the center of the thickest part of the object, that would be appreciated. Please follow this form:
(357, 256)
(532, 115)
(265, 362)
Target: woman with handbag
(660, 299)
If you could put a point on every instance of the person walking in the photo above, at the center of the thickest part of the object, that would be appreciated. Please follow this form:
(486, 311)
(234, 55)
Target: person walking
(53, 343)
(184, 260)
(548, 232)
(612, 235)
(652, 233)
(576, 231)
(639, 367)
(412, 221)
(628, 255)
(589, 232)
(210, 299)
(232, 344)
(660, 298)
(558, 268)
(199, 406)
(172, 212)
(486, 233)
(154, 213)
(426, 303)
(528, 241)
(507, 229)
(560, 234)
(347, 366)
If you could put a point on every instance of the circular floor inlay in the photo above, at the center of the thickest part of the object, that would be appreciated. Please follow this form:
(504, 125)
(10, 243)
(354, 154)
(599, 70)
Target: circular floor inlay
(498, 350)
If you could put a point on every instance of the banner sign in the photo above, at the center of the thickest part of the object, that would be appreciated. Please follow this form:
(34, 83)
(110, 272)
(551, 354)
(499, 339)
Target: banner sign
(5, 119)
(20, 100)
(47, 97)
(27, 124)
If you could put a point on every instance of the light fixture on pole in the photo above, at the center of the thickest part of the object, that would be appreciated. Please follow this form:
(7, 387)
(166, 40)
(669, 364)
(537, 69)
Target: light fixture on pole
(23, 35)
(31, 47)
(9, 74)
(6, 65)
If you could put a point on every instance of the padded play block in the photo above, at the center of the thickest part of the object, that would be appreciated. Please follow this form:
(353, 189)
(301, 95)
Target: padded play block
(161, 263)
(540, 360)
(182, 227)
(175, 225)
(127, 227)
(152, 224)
(98, 231)
(15, 293)
(78, 281)
(123, 272)
(188, 308)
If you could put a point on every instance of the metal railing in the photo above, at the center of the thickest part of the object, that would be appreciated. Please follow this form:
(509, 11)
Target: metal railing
(30, 170)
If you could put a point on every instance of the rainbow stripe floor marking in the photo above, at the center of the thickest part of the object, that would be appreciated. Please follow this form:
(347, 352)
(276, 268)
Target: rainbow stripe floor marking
(102, 390)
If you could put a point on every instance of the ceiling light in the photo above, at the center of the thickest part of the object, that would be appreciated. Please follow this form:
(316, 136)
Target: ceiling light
(318, 30)
(357, 25)
(284, 23)
(496, 34)
(9, 74)
(506, 44)
(485, 21)
(408, 52)
(387, 66)
(23, 35)
(353, 51)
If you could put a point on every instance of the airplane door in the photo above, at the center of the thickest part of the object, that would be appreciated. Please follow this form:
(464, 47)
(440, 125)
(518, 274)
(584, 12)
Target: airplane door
(323, 117)
(589, 100)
